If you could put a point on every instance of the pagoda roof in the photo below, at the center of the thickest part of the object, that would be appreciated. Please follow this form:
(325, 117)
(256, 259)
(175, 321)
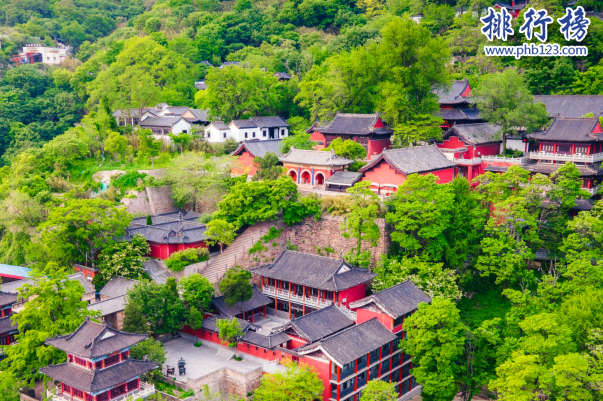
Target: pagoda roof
(476, 134)
(315, 271)
(314, 157)
(452, 94)
(395, 301)
(94, 340)
(270, 341)
(8, 298)
(117, 287)
(260, 148)
(417, 159)
(6, 325)
(257, 300)
(571, 130)
(318, 324)
(571, 105)
(95, 381)
(355, 124)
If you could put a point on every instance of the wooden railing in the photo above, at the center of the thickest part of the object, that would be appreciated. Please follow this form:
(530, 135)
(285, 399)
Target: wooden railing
(576, 157)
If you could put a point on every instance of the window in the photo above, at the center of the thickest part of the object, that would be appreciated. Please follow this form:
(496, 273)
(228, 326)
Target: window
(265, 351)
(564, 148)
(549, 147)
(225, 135)
(132, 385)
(581, 149)
(103, 397)
(89, 397)
(398, 321)
(117, 391)
(248, 346)
(253, 134)
(112, 360)
(374, 356)
(80, 361)
(264, 133)
(256, 348)
(78, 393)
(246, 135)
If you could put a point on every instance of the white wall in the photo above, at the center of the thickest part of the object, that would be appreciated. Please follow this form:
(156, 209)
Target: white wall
(515, 144)
(180, 126)
(239, 133)
(212, 134)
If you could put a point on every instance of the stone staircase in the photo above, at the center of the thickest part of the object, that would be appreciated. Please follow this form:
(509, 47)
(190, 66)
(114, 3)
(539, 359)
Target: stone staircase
(236, 253)
(348, 313)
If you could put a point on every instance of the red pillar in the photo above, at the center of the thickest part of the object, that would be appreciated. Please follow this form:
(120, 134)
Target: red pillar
(338, 380)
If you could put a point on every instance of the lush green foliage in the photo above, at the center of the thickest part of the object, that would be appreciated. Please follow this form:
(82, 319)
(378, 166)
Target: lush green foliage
(197, 292)
(298, 382)
(180, 259)
(124, 259)
(229, 331)
(268, 167)
(236, 287)
(378, 390)
(220, 232)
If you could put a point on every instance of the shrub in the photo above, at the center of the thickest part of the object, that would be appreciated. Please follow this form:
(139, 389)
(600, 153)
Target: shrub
(128, 180)
(179, 260)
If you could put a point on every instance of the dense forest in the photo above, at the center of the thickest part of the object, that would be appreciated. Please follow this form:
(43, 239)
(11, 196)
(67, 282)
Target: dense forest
(501, 323)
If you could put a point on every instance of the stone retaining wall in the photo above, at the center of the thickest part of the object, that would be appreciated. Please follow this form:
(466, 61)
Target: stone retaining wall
(227, 380)
(153, 201)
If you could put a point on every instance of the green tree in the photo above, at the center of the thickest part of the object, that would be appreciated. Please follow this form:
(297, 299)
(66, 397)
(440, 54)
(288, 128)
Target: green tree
(151, 350)
(349, 149)
(421, 128)
(82, 228)
(236, 287)
(420, 216)
(378, 390)
(267, 167)
(194, 320)
(19, 210)
(181, 140)
(54, 307)
(360, 222)
(124, 259)
(236, 92)
(161, 305)
(220, 232)
(116, 143)
(9, 387)
(149, 147)
(589, 82)
(229, 331)
(180, 259)
(134, 321)
(299, 382)
(197, 292)
(300, 140)
(504, 99)
(149, 220)
(436, 340)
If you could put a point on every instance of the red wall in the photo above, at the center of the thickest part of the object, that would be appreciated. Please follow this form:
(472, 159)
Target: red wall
(296, 342)
(317, 136)
(445, 175)
(324, 373)
(363, 315)
(353, 294)
(260, 352)
(245, 164)
(375, 147)
(384, 174)
(163, 251)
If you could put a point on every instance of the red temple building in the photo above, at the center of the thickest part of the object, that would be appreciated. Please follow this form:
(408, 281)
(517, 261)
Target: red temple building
(323, 281)
(366, 129)
(514, 8)
(98, 366)
(574, 140)
(247, 151)
(455, 107)
(169, 233)
(251, 310)
(466, 144)
(312, 167)
(389, 170)
(8, 329)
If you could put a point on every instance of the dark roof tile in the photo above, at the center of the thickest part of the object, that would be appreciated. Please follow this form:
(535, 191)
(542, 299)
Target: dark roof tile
(318, 324)
(257, 300)
(569, 129)
(571, 105)
(268, 342)
(269, 122)
(6, 325)
(8, 298)
(354, 124)
(260, 148)
(475, 134)
(109, 306)
(344, 178)
(118, 286)
(314, 157)
(413, 160)
(395, 301)
(452, 93)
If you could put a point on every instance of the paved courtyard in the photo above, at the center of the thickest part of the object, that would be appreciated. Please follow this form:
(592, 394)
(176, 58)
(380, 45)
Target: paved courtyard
(268, 324)
(205, 359)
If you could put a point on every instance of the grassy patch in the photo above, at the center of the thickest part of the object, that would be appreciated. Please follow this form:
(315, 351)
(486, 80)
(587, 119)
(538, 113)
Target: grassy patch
(483, 306)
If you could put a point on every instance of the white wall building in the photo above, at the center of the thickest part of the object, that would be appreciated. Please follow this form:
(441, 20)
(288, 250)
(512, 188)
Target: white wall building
(256, 128)
(50, 55)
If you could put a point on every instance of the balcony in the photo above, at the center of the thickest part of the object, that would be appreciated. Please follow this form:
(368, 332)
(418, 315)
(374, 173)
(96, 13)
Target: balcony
(592, 191)
(143, 392)
(576, 157)
(468, 162)
(284, 294)
(508, 160)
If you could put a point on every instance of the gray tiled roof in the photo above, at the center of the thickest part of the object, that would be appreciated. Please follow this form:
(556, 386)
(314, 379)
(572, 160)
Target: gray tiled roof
(177, 110)
(166, 218)
(257, 300)
(230, 63)
(133, 112)
(93, 340)
(6, 325)
(260, 148)
(472, 114)
(452, 114)
(315, 271)
(354, 124)
(269, 122)
(171, 232)
(201, 85)
(352, 343)
(475, 134)
(269, 342)
(244, 124)
(282, 75)
(592, 170)
(210, 323)
(583, 204)
(396, 301)
(99, 379)
(571, 105)
(413, 160)
(81, 278)
(219, 125)
(8, 298)
(452, 94)
(118, 286)
(319, 324)
(13, 286)
(159, 121)
(570, 129)
(344, 178)
(314, 157)
(200, 115)
(109, 306)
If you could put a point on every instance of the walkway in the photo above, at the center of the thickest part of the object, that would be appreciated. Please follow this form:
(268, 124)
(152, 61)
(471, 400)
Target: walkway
(157, 270)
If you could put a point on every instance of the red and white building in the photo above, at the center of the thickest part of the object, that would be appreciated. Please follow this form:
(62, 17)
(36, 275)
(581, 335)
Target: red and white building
(312, 167)
(169, 233)
(248, 151)
(455, 107)
(366, 129)
(467, 145)
(391, 168)
(98, 366)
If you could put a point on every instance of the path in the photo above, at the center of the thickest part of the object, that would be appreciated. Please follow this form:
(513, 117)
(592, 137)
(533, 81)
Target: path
(157, 270)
